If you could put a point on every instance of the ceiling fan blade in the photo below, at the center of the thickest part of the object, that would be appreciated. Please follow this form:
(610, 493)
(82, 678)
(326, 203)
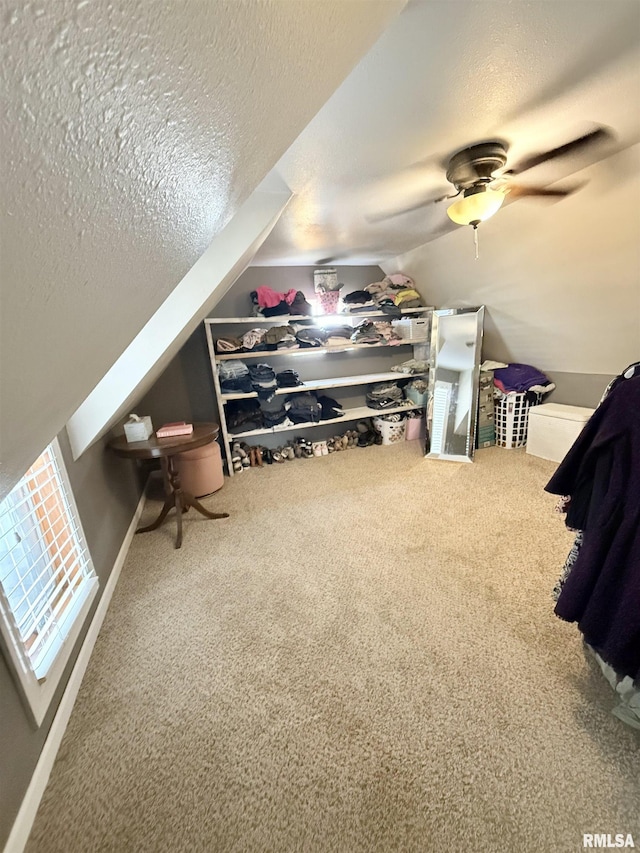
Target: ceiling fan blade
(600, 134)
(389, 214)
(521, 191)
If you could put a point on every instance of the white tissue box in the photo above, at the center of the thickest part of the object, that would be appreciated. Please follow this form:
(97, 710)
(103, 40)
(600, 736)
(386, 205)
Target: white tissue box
(138, 430)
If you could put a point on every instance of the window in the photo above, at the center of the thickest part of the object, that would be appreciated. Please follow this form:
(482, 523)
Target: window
(47, 580)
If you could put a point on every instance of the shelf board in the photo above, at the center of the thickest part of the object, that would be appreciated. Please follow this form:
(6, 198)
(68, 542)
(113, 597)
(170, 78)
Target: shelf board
(267, 354)
(284, 319)
(355, 414)
(336, 382)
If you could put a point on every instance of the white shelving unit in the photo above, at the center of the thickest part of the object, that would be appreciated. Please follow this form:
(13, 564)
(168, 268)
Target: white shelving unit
(407, 348)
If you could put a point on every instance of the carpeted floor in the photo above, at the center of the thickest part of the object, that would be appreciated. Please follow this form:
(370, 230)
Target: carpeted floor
(364, 657)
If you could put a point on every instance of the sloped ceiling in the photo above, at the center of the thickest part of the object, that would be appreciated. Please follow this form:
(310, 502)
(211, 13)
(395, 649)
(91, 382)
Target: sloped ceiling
(130, 135)
(443, 76)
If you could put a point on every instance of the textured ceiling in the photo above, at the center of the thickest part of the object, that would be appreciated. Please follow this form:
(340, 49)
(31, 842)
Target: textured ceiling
(130, 133)
(443, 76)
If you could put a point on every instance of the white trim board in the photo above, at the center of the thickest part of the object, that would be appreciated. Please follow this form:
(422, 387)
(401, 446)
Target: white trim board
(23, 823)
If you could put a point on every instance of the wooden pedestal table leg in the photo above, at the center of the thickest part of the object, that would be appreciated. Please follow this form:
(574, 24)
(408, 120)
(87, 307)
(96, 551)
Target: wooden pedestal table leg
(169, 501)
(179, 499)
(183, 500)
(190, 500)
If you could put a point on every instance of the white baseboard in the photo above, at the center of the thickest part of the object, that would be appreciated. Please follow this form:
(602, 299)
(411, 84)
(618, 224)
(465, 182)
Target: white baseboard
(27, 813)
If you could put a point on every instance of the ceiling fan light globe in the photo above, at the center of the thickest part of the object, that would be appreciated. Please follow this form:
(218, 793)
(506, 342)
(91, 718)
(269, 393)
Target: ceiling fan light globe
(475, 207)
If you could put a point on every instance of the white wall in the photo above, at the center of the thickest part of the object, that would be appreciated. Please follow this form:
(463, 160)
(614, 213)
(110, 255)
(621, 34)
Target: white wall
(561, 281)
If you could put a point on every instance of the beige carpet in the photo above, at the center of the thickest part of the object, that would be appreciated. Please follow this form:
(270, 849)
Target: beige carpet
(364, 657)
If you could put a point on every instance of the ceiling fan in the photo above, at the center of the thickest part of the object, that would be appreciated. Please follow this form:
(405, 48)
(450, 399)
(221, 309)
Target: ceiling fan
(480, 175)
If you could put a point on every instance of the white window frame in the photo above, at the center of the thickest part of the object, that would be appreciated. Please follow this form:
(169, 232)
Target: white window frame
(38, 688)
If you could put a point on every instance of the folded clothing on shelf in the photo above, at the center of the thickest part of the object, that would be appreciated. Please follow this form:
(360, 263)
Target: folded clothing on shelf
(276, 334)
(263, 380)
(288, 379)
(366, 333)
(387, 332)
(303, 408)
(274, 411)
(357, 297)
(300, 305)
(411, 366)
(228, 344)
(338, 336)
(253, 340)
(311, 336)
(234, 377)
(329, 408)
(269, 303)
(243, 415)
(408, 298)
(384, 395)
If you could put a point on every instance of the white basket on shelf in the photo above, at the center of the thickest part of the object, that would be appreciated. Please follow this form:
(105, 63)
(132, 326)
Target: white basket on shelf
(413, 329)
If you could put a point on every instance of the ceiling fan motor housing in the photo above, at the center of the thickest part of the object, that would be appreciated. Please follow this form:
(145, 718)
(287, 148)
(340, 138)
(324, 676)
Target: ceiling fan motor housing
(476, 164)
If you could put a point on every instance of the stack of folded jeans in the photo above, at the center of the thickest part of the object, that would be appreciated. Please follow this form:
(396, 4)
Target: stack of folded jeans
(243, 415)
(384, 395)
(274, 411)
(288, 379)
(263, 380)
(304, 408)
(234, 377)
(329, 408)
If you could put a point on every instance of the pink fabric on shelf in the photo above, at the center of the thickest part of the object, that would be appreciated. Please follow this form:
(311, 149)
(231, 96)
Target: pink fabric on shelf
(269, 298)
(400, 278)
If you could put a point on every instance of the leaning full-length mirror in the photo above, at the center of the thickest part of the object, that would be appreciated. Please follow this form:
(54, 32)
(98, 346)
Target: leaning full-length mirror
(456, 344)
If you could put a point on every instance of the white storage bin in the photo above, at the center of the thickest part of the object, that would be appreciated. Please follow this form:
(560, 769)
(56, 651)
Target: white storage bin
(413, 329)
(553, 427)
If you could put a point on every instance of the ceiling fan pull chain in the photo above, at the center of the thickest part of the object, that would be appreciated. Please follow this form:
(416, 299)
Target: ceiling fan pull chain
(475, 239)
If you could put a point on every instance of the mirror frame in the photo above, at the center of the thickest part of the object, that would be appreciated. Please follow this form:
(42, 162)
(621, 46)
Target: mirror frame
(470, 444)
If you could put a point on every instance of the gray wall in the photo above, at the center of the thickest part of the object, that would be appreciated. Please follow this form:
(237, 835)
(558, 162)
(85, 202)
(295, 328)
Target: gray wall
(578, 389)
(106, 490)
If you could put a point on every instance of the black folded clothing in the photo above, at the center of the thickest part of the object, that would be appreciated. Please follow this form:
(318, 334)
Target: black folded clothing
(241, 413)
(311, 336)
(330, 408)
(357, 297)
(303, 408)
(276, 310)
(239, 385)
(288, 379)
(300, 305)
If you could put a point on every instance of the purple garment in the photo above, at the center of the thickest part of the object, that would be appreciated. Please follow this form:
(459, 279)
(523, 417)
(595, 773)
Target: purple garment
(520, 377)
(602, 471)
